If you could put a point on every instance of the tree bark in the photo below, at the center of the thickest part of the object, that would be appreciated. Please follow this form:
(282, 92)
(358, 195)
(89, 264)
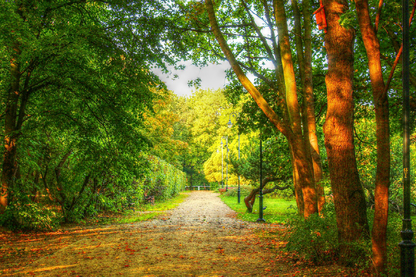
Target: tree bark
(349, 198)
(298, 190)
(302, 160)
(304, 54)
(10, 132)
(380, 98)
(310, 108)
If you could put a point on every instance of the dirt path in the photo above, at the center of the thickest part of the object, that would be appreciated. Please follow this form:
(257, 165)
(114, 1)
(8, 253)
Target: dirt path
(200, 237)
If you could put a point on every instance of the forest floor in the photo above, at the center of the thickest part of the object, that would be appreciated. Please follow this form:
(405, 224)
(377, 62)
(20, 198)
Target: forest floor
(201, 237)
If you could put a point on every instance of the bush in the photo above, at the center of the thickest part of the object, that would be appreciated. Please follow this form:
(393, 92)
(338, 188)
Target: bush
(287, 194)
(164, 181)
(244, 191)
(316, 238)
(22, 214)
(214, 186)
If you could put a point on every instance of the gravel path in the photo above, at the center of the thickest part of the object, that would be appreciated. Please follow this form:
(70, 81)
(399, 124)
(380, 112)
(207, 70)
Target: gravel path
(201, 237)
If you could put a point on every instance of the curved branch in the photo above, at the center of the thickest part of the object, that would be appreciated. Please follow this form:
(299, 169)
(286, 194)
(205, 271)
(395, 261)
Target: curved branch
(250, 199)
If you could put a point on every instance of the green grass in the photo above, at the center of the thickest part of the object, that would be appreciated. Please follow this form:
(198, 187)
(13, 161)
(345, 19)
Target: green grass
(143, 213)
(277, 211)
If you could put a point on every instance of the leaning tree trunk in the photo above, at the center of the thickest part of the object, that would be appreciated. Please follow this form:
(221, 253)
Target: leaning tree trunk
(349, 198)
(250, 199)
(293, 131)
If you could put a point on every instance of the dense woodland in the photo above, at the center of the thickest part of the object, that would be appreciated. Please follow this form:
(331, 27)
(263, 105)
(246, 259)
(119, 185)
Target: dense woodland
(88, 126)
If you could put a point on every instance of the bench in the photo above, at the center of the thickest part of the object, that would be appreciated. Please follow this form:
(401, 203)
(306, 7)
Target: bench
(222, 190)
(198, 188)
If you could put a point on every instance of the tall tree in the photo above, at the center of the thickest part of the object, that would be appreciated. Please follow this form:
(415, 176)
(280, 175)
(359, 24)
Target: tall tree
(278, 85)
(380, 90)
(349, 199)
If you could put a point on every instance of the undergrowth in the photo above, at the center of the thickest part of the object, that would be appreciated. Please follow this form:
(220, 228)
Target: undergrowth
(141, 213)
(277, 210)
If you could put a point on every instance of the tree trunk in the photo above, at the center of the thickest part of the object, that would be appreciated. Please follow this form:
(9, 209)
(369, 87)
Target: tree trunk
(304, 54)
(10, 132)
(310, 109)
(298, 190)
(301, 159)
(380, 98)
(251, 198)
(349, 198)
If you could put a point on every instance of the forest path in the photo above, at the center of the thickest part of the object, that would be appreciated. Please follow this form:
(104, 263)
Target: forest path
(201, 237)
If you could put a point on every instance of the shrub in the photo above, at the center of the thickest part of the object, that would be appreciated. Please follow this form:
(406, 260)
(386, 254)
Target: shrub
(22, 214)
(214, 186)
(244, 191)
(316, 238)
(164, 181)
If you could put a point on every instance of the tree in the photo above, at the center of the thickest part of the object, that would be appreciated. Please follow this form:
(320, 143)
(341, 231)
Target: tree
(275, 167)
(349, 199)
(381, 104)
(77, 54)
(278, 84)
(380, 99)
(160, 124)
(204, 116)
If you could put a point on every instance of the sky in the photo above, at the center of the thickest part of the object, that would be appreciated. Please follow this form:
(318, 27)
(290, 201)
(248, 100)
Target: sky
(212, 76)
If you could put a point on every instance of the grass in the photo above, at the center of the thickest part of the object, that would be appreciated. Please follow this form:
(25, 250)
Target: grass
(142, 213)
(277, 211)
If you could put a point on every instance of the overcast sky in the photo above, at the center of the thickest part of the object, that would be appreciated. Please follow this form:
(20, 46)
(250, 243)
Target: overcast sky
(212, 76)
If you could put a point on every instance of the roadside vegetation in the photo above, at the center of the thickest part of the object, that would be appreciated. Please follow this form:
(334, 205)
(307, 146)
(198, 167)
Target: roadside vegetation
(277, 211)
(19, 249)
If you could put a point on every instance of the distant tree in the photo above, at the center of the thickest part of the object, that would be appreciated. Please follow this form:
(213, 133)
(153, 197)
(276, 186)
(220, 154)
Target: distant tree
(276, 166)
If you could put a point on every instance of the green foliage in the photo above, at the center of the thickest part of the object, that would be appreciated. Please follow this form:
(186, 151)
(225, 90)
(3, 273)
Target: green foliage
(394, 227)
(214, 186)
(276, 159)
(202, 122)
(85, 86)
(278, 210)
(146, 212)
(287, 194)
(315, 238)
(365, 144)
(24, 214)
(244, 190)
(163, 181)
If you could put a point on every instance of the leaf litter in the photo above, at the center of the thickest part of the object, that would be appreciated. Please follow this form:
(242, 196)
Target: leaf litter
(201, 237)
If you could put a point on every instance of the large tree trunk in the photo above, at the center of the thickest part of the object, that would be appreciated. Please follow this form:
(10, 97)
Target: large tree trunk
(380, 98)
(349, 198)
